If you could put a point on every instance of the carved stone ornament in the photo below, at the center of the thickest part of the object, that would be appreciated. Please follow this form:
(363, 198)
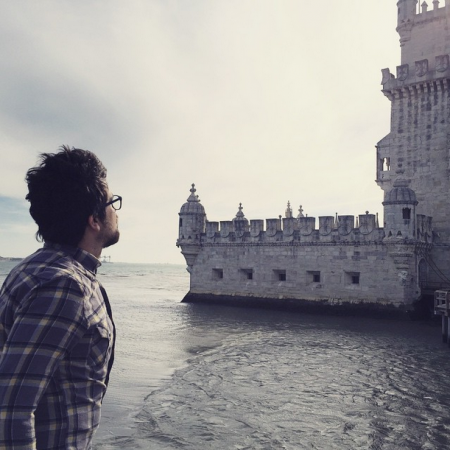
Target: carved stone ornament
(366, 223)
(346, 224)
(288, 228)
(225, 228)
(256, 227)
(403, 72)
(403, 277)
(442, 63)
(421, 67)
(271, 228)
(306, 230)
(386, 76)
(326, 225)
(306, 225)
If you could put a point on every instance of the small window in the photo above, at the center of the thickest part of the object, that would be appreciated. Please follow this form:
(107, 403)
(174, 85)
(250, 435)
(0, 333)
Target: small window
(406, 213)
(352, 278)
(280, 275)
(314, 276)
(246, 274)
(217, 274)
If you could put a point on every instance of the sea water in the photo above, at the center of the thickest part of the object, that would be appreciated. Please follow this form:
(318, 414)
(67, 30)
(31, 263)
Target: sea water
(203, 377)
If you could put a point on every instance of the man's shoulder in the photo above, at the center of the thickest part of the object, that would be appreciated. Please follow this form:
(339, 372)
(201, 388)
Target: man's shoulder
(50, 274)
(49, 264)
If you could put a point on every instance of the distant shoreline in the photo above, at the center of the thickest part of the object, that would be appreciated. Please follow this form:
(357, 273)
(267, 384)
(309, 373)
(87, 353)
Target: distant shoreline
(10, 259)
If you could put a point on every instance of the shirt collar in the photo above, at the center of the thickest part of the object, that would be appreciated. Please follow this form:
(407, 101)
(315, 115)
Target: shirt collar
(86, 259)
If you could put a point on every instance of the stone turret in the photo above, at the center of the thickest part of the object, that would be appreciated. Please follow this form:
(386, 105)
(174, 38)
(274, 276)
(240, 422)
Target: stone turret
(400, 211)
(406, 11)
(192, 224)
(405, 19)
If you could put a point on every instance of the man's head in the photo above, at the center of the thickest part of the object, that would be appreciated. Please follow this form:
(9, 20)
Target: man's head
(64, 191)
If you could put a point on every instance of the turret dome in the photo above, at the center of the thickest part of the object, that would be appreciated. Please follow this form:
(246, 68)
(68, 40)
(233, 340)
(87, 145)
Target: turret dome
(193, 205)
(400, 193)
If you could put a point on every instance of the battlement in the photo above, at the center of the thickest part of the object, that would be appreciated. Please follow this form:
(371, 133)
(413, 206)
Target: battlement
(424, 42)
(331, 229)
(402, 223)
(412, 80)
(431, 10)
(413, 12)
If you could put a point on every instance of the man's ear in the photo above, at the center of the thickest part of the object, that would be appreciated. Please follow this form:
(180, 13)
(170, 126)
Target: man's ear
(93, 223)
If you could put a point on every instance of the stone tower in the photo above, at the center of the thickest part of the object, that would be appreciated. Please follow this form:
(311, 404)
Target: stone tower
(192, 224)
(400, 211)
(418, 145)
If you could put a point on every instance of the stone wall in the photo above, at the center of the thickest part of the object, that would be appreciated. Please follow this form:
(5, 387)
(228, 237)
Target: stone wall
(418, 144)
(331, 273)
(418, 42)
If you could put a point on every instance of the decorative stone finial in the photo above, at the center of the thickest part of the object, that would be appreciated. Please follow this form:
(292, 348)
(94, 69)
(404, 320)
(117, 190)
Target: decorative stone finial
(193, 197)
(288, 212)
(300, 212)
(240, 214)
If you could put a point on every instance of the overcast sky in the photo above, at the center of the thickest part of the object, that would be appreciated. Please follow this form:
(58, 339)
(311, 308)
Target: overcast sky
(255, 101)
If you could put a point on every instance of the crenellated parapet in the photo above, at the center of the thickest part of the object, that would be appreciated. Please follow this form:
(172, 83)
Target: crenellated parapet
(302, 229)
(414, 81)
(423, 30)
(401, 225)
(412, 13)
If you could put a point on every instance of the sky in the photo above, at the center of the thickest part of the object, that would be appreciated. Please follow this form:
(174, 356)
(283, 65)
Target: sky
(258, 102)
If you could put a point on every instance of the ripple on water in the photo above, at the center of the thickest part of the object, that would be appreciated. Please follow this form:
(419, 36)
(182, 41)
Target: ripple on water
(303, 387)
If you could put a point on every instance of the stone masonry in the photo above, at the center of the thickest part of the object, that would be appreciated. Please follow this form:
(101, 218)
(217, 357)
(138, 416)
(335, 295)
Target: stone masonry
(343, 262)
(418, 144)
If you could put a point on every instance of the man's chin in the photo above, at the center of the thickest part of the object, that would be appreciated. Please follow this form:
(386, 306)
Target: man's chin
(112, 240)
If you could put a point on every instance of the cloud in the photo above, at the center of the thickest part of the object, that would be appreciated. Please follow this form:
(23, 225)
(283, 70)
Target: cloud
(256, 102)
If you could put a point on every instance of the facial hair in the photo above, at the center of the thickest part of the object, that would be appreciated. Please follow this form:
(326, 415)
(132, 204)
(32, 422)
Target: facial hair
(112, 239)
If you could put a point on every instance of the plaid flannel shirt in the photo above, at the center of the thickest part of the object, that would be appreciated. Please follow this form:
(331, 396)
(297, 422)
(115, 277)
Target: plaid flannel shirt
(56, 351)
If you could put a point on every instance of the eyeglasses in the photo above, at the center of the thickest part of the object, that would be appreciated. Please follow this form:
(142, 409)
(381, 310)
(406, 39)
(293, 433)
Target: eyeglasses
(115, 202)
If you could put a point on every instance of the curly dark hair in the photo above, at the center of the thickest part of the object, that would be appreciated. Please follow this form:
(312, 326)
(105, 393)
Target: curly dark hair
(64, 190)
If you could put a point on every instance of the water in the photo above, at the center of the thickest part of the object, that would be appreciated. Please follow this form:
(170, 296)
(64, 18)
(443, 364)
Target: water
(209, 377)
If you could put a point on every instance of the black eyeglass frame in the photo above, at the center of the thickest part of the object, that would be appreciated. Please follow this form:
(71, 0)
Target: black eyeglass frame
(115, 199)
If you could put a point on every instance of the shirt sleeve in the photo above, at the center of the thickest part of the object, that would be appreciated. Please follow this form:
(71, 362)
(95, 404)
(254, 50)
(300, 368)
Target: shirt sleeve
(47, 324)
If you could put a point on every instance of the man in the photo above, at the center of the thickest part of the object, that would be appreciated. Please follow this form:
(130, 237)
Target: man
(56, 330)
